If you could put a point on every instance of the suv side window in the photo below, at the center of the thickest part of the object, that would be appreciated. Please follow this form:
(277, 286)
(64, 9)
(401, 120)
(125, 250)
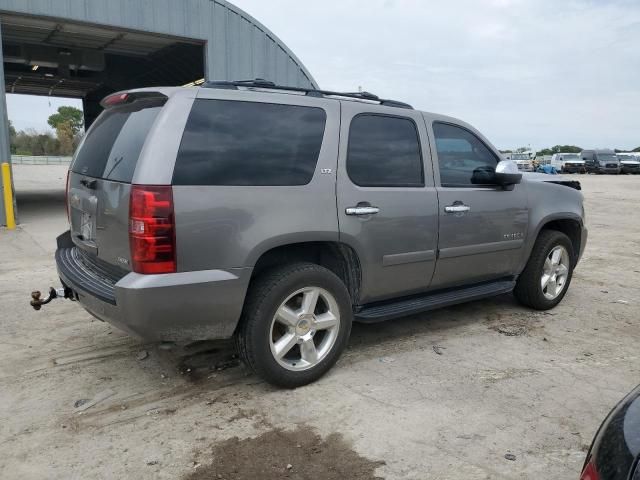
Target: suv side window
(384, 151)
(249, 143)
(463, 158)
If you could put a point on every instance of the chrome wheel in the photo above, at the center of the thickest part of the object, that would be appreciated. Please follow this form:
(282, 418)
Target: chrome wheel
(304, 328)
(555, 272)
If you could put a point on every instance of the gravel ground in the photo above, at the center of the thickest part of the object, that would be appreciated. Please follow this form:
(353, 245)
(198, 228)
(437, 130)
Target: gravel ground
(444, 395)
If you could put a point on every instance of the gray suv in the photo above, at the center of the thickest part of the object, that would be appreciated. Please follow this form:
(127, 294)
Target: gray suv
(600, 161)
(278, 216)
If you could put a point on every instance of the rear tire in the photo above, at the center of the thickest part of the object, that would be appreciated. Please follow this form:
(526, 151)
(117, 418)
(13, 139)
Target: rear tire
(295, 324)
(547, 276)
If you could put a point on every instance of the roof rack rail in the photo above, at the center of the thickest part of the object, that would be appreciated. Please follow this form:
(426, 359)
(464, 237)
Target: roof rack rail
(266, 84)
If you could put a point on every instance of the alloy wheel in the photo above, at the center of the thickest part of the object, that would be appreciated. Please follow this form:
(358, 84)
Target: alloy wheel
(555, 272)
(304, 328)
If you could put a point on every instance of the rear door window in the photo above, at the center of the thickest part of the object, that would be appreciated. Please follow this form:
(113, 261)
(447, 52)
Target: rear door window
(248, 143)
(384, 151)
(112, 146)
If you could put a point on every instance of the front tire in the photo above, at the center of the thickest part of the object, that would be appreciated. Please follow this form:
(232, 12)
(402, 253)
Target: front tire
(295, 324)
(546, 278)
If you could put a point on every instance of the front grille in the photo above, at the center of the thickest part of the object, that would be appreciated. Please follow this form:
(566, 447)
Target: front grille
(612, 165)
(88, 274)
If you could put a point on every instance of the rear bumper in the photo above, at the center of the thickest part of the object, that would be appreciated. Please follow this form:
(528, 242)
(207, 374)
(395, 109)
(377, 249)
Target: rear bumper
(178, 307)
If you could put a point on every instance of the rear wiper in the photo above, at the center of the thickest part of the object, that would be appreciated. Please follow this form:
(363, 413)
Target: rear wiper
(115, 165)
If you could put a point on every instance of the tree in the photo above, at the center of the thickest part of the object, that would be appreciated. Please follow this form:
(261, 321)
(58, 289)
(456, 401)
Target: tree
(70, 115)
(560, 149)
(67, 124)
(637, 149)
(12, 137)
(64, 131)
(30, 142)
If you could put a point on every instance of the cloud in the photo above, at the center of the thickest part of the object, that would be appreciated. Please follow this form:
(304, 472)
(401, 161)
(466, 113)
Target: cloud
(539, 72)
(535, 72)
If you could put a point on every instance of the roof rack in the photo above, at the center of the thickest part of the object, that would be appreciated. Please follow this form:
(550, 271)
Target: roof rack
(311, 92)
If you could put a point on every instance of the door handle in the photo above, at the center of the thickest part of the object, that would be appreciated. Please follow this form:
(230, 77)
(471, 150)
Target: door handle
(361, 210)
(457, 208)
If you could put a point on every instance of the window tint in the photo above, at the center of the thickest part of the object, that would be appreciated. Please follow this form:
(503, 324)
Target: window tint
(246, 143)
(462, 157)
(111, 148)
(384, 152)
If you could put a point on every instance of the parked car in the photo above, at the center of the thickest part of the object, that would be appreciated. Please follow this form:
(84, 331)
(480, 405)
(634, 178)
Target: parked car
(628, 163)
(278, 216)
(523, 160)
(615, 450)
(600, 161)
(568, 162)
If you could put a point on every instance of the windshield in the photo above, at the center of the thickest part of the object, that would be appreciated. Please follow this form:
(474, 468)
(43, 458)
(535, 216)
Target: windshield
(625, 157)
(570, 156)
(519, 156)
(607, 157)
(111, 148)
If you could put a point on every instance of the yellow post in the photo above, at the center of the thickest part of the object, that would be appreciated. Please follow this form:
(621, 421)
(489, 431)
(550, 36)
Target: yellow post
(8, 196)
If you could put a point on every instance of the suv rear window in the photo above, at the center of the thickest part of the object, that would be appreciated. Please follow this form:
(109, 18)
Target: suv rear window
(112, 146)
(248, 143)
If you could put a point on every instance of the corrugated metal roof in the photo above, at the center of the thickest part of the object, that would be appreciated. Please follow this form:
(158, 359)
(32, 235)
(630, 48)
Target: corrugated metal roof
(20, 29)
(238, 46)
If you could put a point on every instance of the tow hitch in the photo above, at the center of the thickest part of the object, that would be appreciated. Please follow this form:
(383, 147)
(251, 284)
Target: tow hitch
(37, 302)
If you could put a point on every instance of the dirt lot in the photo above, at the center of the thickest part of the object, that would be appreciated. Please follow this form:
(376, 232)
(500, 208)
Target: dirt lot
(438, 396)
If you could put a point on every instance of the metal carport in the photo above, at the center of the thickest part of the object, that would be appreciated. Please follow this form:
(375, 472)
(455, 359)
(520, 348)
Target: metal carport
(89, 48)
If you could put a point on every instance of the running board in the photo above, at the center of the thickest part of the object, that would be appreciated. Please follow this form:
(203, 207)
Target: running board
(380, 312)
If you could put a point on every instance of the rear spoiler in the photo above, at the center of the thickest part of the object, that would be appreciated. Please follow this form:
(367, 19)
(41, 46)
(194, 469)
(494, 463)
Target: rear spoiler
(121, 98)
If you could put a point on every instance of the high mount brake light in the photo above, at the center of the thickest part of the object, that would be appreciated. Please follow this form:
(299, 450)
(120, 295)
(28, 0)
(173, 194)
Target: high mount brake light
(116, 99)
(152, 229)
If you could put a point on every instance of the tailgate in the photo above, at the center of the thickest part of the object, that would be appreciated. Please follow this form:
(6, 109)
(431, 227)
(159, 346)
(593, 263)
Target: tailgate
(100, 178)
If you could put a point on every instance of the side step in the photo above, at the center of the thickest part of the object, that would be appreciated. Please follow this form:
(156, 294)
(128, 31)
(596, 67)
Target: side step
(380, 312)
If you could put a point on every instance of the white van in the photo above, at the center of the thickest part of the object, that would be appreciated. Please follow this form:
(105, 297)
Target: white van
(567, 162)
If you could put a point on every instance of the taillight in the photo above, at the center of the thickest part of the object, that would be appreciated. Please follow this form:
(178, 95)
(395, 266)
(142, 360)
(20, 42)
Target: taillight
(151, 229)
(66, 198)
(590, 472)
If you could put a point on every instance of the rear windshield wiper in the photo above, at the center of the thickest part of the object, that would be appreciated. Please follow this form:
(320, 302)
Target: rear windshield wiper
(114, 166)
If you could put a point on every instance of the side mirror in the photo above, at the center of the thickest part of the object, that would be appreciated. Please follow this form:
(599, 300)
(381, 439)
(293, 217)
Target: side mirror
(507, 173)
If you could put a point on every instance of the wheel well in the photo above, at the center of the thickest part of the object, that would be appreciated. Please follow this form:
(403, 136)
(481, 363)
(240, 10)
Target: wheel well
(338, 257)
(571, 228)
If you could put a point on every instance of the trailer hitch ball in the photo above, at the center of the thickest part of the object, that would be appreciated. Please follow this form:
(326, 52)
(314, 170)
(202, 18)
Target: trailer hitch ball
(37, 302)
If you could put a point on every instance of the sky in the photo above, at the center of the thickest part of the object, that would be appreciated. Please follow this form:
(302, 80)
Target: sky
(524, 72)
(538, 72)
(32, 112)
